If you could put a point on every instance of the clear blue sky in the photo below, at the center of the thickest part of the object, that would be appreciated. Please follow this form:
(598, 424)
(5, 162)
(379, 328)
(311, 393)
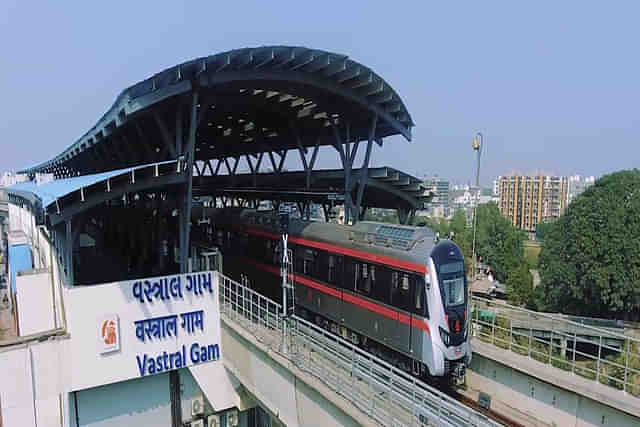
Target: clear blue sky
(554, 86)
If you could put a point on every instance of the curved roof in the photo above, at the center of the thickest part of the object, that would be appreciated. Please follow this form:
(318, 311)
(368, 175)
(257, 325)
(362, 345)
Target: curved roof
(251, 100)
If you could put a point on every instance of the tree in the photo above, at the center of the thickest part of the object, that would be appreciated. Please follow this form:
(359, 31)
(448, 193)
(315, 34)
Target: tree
(520, 287)
(459, 222)
(590, 258)
(541, 230)
(498, 242)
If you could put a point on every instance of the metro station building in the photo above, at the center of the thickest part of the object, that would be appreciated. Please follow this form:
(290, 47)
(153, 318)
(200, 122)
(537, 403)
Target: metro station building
(115, 318)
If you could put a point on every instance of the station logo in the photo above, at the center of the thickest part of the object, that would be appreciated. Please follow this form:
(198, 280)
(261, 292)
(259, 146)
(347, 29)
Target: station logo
(108, 333)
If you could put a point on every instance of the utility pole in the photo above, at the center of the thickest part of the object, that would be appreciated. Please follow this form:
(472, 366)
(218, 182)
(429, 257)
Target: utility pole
(477, 147)
(284, 231)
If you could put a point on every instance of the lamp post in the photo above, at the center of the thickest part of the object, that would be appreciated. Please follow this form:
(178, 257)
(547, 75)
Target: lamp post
(477, 147)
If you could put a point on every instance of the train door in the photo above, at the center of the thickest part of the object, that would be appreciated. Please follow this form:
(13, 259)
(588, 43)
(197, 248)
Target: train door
(401, 299)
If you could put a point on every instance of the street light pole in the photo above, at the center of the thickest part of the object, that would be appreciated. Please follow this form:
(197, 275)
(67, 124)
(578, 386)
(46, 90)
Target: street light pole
(477, 147)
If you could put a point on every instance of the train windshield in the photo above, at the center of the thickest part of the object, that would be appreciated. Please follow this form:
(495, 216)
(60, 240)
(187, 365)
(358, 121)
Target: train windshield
(453, 291)
(453, 283)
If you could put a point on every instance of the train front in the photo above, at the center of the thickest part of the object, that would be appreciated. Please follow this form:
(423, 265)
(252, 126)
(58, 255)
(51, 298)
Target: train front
(450, 282)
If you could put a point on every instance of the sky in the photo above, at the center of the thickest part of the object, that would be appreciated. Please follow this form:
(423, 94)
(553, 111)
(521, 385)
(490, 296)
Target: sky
(554, 87)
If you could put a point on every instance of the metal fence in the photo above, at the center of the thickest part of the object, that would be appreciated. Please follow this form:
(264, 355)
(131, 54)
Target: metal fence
(603, 355)
(388, 395)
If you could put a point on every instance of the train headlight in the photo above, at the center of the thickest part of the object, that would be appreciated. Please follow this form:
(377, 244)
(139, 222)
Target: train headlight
(444, 335)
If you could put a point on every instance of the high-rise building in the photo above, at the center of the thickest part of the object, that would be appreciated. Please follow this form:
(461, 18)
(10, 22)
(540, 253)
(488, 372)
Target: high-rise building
(440, 187)
(496, 187)
(529, 200)
(577, 185)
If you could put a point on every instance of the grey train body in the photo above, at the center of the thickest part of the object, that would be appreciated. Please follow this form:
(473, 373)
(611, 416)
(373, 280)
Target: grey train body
(375, 284)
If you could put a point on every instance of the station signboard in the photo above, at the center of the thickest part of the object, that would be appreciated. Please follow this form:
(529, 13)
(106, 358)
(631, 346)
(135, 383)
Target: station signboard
(143, 327)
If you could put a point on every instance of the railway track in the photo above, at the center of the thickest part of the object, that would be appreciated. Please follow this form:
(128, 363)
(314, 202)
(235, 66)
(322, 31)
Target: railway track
(489, 413)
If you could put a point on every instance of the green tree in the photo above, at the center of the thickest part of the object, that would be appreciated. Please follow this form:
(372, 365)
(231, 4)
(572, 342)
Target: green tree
(462, 235)
(520, 287)
(590, 259)
(542, 229)
(459, 222)
(498, 242)
(443, 228)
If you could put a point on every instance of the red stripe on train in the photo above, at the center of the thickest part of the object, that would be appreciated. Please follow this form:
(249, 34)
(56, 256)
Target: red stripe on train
(361, 302)
(380, 259)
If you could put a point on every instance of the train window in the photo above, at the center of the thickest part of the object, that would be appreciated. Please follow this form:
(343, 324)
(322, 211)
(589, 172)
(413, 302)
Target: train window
(381, 280)
(243, 241)
(267, 248)
(421, 307)
(255, 249)
(405, 282)
(298, 261)
(331, 273)
(308, 266)
(350, 274)
(401, 291)
(322, 265)
(339, 270)
(364, 279)
(277, 253)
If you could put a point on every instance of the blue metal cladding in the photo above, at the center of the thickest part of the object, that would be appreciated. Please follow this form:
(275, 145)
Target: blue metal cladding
(20, 259)
(49, 192)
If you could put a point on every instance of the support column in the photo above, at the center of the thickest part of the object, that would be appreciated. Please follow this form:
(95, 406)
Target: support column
(69, 252)
(364, 170)
(346, 158)
(403, 215)
(188, 194)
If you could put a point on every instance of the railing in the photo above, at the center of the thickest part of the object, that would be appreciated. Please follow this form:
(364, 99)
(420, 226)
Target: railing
(388, 395)
(603, 355)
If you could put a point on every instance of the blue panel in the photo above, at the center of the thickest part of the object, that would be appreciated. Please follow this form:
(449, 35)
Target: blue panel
(138, 402)
(20, 260)
(49, 192)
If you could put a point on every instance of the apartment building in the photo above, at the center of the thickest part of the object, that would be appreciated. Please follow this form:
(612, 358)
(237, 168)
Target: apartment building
(577, 185)
(529, 200)
(440, 187)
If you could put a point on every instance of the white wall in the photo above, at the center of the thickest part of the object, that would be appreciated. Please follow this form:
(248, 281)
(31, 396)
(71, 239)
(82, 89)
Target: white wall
(33, 379)
(35, 302)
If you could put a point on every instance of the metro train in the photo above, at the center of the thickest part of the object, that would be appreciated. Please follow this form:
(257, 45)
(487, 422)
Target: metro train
(397, 291)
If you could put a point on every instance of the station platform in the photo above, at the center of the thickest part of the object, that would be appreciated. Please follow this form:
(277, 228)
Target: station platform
(557, 377)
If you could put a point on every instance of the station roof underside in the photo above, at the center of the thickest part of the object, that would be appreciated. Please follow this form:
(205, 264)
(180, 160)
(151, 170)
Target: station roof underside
(244, 101)
(386, 187)
(61, 199)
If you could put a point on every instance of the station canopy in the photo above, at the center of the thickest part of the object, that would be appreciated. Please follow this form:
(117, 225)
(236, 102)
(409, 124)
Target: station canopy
(249, 101)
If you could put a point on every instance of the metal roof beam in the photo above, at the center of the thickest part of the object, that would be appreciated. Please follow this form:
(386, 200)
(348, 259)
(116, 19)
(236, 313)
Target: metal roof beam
(144, 141)
(302, 60)
(167, 138)
(362, 80)
(348, 74)
(319, 63)
(336, 66)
